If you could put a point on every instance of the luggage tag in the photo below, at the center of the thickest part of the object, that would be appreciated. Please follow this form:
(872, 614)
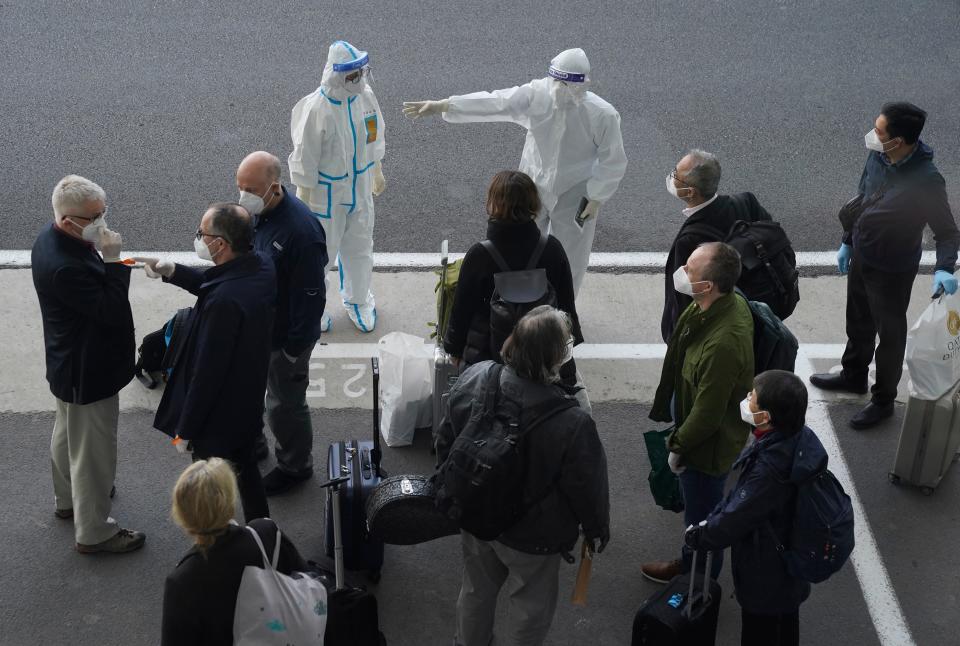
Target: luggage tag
(582, 583)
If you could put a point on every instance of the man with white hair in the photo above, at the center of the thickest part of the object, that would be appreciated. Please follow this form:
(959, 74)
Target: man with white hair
(89, 339)
(573, 150)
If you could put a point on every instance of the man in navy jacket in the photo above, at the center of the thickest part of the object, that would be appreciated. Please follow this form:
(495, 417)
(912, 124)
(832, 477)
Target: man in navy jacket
(88, 336)
(287, 232)
(214, 397)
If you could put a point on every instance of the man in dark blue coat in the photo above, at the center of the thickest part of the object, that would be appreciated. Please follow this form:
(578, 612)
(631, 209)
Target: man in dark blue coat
(89, 342)
(287, 232)
(902, 192)
(214, 397)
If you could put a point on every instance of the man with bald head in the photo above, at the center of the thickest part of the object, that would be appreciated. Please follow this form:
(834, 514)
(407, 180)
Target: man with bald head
(286, 231)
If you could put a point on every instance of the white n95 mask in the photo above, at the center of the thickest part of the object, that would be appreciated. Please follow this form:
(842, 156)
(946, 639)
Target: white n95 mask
(872, 141)
(681, 282)
(673, 190)
(92, 232)
(203, 251)
(252, 202)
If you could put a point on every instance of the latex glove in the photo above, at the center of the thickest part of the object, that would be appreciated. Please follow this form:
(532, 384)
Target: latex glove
(596, 544)
(379, 182)
(155, 268)
(110, 245)
(182, 445)
(945, 280)
(843, 258)
(417, 109)
(289, 357)
(673, 461)
(691, 537)
(591, 210)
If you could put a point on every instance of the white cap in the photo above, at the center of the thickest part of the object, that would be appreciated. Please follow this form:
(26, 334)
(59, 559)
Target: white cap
(570, 65)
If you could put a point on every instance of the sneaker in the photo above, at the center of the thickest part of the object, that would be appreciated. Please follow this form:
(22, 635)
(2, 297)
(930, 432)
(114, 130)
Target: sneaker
(871, 415)
(126, 540)
(277, 482)
(362, 316)
(662, 571)
(326, 323)
(63, 514)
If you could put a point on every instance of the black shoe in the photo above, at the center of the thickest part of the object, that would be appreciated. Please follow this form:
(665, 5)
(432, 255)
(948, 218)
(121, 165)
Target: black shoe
(871, 415)
(261, 451)
(836, 381)
(277, 482)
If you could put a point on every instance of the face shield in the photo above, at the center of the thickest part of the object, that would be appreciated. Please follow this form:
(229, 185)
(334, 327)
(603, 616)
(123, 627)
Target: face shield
(347, 70)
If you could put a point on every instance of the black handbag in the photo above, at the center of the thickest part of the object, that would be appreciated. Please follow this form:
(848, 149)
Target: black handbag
(853, 209)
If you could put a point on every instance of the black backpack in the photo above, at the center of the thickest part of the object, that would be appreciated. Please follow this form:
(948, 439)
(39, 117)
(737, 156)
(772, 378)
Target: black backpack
(480, 484)
(515, 293)
(159, 349)
(769, 273)
(774, 346)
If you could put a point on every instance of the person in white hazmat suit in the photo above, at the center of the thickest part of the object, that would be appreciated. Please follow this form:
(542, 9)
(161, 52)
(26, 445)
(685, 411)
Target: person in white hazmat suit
(573, 151)
(338, 144)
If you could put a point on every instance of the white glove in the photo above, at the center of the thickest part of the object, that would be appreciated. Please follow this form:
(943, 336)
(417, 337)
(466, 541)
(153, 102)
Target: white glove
(673, 461)
(110, 245)
(417, 109)
(182, 445)
(379, 182)
(591, 210)
(155, 268)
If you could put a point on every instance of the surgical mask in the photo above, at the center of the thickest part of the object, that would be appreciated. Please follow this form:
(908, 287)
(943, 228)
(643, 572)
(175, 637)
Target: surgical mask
(748, 415)
(673, 190)
(253, 203)
(872, 141)
(92, 232)
(203, 251)
(681, 283)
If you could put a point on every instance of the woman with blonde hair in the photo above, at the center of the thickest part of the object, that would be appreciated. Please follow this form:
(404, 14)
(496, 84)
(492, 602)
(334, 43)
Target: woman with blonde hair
(200, 594)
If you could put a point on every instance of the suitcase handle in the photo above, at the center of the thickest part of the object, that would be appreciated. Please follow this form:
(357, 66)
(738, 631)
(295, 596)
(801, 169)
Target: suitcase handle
(704, 597)
(333, 497)
(376, 454)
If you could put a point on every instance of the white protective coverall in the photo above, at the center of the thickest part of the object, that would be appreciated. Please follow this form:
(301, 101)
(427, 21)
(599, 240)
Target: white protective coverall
(573, 148)
(338, 143)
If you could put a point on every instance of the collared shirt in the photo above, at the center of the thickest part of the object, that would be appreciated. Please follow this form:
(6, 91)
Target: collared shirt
(693, 209)
(886, 160)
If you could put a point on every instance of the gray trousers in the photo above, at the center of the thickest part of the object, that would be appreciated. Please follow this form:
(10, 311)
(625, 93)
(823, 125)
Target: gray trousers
(83, 456)
(288, 414)
(531, 586)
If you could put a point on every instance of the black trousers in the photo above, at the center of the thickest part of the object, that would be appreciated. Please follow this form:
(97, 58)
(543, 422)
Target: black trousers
(770, 630)
(876, 304)
(253, 498)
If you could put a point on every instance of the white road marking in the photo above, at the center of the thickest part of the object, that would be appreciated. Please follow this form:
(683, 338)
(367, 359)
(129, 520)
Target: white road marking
(878, 593)
(14, 258)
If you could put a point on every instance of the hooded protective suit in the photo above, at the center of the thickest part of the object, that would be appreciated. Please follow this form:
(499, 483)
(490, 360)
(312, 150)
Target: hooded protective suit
(573, 148)
(337, 134)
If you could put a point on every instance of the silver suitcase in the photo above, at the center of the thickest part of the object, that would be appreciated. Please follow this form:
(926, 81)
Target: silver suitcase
(929, 440)
(445, 374)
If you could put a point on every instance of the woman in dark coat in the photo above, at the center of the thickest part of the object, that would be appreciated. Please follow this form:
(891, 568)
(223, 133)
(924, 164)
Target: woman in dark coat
(755, 517)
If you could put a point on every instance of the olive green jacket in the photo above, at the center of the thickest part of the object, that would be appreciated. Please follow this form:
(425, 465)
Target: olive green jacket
(714, 353)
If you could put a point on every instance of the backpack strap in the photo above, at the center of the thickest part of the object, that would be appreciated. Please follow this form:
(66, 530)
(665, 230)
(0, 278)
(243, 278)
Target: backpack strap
(538, 251)
(704, 230)
(497, 258)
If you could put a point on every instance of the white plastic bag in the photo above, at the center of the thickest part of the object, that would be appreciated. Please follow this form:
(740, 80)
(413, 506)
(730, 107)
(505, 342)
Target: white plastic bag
(273, 608)
(933, 349)
(406, 387)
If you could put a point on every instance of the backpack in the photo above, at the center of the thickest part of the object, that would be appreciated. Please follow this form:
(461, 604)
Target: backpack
(480, 484)
(273, 608)
(446, 290)
(774, 346)
(822, 536)
(769, 265)
(157, 351)
(515, 293)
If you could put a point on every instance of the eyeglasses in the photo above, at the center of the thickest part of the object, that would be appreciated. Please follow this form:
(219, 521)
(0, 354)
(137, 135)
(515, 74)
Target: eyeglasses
(354, 77)
(201, 233)
(673, 175)
(97, 216)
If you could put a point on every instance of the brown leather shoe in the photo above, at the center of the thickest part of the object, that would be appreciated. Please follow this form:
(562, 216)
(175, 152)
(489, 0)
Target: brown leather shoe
(661, 571)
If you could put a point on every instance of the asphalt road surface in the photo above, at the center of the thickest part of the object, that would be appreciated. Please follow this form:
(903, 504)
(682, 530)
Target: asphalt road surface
(158, 102)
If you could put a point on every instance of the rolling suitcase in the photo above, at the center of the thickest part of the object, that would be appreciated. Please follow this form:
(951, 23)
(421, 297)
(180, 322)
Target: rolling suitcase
(677, 614)
(445, 374)
(403, 511)
(360, 461)
(352, 614)
(929, 440)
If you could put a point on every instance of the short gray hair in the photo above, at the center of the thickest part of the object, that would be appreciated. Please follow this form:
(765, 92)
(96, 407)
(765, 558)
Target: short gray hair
(75, 191)
(536, 348)
(705, 174)
(723, 267)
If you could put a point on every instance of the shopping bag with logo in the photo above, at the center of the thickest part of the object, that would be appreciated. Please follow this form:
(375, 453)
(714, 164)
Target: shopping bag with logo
(933, 348)
(406, 387)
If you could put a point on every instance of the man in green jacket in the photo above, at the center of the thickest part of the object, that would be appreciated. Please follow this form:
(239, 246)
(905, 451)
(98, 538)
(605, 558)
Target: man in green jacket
(707, 371)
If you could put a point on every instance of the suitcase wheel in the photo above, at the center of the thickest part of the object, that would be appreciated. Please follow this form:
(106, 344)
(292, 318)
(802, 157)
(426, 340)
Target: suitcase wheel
(894, 478)
(373, 576)
(926, 491)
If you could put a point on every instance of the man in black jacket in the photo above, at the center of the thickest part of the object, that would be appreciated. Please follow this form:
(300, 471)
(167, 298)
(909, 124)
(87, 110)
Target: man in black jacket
(88, 335)
(565, 459)
(214, 397)
(902, 192)
(709, 216)
(287, 232)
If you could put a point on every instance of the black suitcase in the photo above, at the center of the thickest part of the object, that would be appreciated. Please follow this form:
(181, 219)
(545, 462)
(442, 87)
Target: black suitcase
(352, 613)
(677, 614)
(360, 461)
